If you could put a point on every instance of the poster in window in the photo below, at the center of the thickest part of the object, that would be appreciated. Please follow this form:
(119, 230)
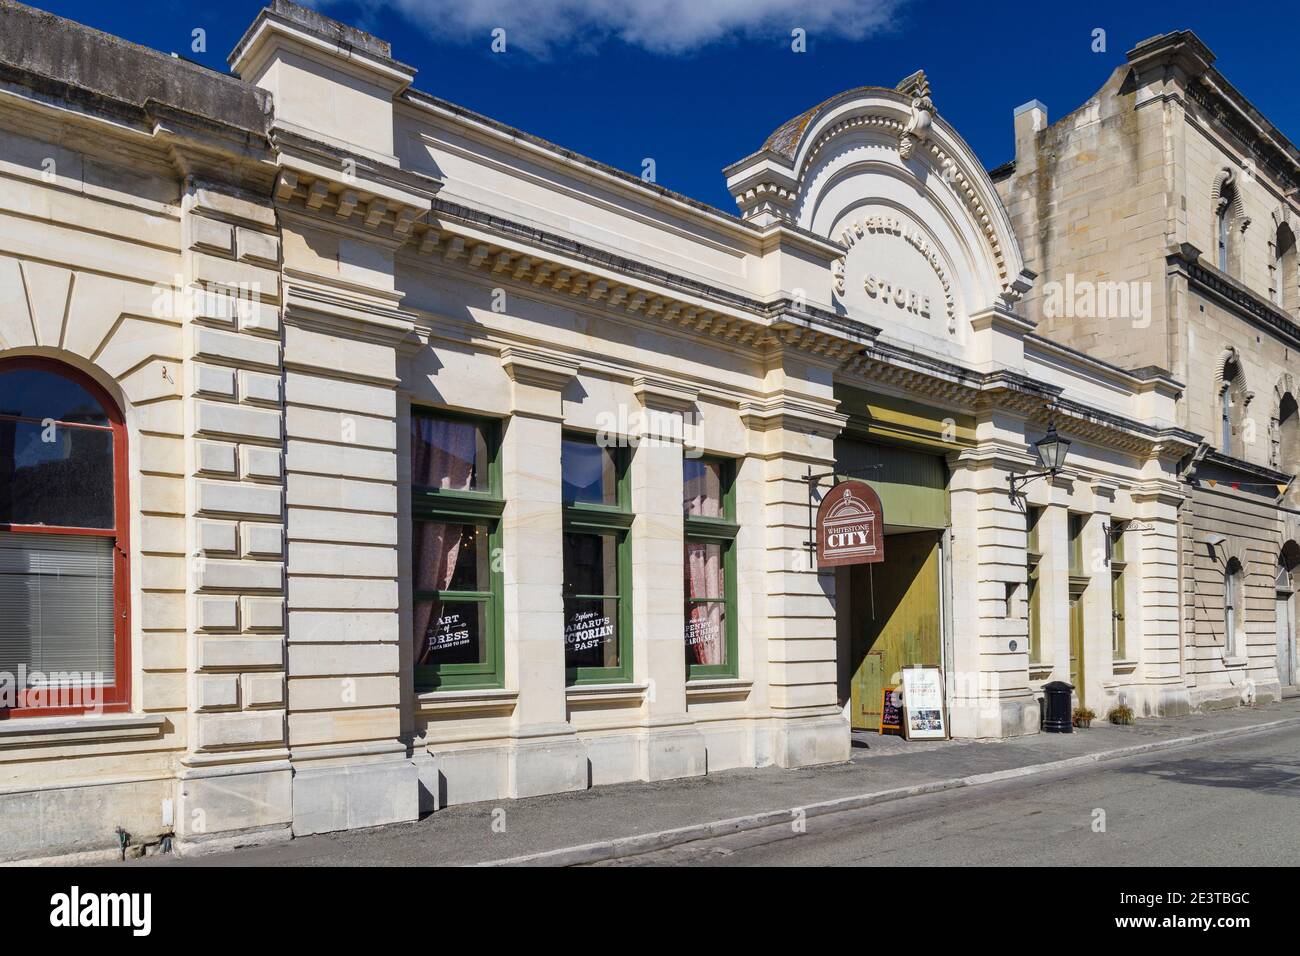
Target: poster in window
(924, 717)
(586, 630)
(704, 636)
(452, 631)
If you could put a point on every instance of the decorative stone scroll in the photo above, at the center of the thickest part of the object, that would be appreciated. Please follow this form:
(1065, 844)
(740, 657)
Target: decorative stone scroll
(917, 129)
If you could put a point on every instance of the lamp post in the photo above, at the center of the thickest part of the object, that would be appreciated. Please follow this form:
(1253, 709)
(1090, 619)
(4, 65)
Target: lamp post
(1051, 450)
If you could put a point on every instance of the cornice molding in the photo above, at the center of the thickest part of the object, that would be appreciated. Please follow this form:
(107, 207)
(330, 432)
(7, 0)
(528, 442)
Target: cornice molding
(526, 366)
(513, 253)
(784, 411)
(1273, 152)
(952, 385)
(312, 304)
(1103, 488)
(336, 45)
(190, 143)
(1228, 463)
(662, 394)
(1159, 492)
(1230, 293)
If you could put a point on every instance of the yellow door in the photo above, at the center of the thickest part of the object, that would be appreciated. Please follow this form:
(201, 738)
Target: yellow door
(1076, 646)
(904, 590)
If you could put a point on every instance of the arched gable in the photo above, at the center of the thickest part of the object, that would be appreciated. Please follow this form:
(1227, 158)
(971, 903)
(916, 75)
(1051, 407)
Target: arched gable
(927, 241)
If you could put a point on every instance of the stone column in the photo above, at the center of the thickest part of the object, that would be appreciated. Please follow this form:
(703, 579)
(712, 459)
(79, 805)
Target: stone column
(789, 435)
(545, 754)
(1054, 539)
(671, 744)
(988, 691)
(1098, 603)
(350, 763)
(234, 776)
(1153, 554)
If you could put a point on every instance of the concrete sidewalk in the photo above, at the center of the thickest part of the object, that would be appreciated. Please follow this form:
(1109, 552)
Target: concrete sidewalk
(607, 822)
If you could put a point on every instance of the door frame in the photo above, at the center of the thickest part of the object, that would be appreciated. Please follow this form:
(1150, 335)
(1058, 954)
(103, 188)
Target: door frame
(1078, 629)
(946, 653)
(1285, 599)
(845, 640)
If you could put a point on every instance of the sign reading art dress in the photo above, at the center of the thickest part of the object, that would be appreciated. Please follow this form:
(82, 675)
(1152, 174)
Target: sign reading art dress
(849, 526)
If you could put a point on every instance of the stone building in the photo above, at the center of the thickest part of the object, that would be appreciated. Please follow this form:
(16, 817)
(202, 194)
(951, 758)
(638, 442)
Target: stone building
(1161, 218)
(363, 455)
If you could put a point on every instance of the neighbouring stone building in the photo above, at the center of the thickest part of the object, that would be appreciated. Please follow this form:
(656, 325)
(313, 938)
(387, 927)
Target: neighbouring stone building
(361, 455)
(1161, 218)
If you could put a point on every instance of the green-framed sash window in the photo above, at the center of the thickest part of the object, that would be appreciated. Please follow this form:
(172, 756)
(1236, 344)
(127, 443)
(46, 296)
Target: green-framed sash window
(1033, 562)
(1117, 585)
(597, 561)
(709, 566)
(456, 576)
(1075, 531)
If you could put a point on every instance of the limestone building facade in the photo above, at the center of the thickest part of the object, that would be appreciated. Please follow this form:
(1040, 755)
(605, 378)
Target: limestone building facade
(390, 457)
(1161, 218)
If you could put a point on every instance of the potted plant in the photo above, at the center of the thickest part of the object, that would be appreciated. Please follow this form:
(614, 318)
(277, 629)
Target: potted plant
(1120, 714)
(1083, 716)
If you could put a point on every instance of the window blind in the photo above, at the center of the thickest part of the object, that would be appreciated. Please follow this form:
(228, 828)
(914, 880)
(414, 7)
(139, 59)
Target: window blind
(56, 606)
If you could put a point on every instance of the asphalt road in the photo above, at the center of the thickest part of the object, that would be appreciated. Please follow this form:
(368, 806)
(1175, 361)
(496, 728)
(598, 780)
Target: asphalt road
(1234, 802)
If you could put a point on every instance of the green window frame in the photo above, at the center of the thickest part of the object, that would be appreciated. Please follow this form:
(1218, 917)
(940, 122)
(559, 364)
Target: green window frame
(1033, 561)
(1118, 565)
(482, 509)
(1075, 528)
(719, 531)
(603, 520)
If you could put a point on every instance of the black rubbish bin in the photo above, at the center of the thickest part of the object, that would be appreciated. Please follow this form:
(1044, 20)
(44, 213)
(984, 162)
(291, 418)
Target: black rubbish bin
(1056, 708)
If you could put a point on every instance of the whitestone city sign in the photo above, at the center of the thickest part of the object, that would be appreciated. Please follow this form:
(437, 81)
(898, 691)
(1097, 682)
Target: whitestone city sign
(849, 526)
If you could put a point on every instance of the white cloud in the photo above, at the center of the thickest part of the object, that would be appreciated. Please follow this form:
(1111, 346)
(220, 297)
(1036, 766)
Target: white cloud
(542, 27)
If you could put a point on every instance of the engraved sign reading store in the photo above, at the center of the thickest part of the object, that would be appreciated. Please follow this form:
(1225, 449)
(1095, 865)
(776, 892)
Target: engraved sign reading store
(849, 526)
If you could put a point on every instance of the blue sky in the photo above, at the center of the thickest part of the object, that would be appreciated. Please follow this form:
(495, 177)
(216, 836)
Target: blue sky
(698, 84)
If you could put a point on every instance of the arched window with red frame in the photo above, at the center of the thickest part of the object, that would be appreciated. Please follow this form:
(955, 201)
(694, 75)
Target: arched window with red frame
(64, 545)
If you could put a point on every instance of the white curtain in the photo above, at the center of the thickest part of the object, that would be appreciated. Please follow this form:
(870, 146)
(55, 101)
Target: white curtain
(704, 622)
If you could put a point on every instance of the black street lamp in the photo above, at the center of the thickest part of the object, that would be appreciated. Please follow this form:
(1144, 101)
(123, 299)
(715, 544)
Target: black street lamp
(1051, 450)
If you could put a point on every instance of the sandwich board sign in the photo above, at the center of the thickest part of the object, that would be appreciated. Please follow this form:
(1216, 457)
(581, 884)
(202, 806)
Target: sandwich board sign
(924, 715)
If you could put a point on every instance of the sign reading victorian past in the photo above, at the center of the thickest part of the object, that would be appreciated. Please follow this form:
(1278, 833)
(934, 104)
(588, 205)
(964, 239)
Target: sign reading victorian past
(849, 526)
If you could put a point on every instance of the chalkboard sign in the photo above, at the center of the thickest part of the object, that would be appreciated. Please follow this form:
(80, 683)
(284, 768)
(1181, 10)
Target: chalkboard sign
(891, 711)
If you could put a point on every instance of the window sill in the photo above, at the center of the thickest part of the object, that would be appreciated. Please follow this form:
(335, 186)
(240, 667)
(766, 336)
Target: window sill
(1123, 665)
(490, 702)
(56, 731)
(1236, 661)
(718, 688)
(605, 693)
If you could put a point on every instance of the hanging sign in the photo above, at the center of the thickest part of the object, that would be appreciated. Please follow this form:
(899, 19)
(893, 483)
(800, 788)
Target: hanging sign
(924, 717)
(850, 522)
(891, 711)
